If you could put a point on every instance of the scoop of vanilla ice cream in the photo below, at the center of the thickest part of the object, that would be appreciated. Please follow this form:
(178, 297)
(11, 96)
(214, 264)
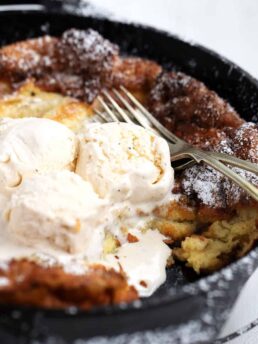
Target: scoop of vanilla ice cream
(60, 209)
(125, 162)
(32, 145)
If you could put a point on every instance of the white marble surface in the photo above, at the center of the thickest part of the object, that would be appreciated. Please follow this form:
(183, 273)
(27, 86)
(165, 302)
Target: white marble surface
(229, 27)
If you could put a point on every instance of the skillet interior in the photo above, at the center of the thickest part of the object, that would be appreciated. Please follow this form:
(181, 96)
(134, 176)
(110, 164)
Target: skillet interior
(225, 78)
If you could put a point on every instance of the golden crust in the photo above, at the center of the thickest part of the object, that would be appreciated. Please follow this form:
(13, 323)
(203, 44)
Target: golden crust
(136, 74)
(30, 284)
(175, 220)
(31, 101)
(209, 238)
(221, 243)
(178, 220)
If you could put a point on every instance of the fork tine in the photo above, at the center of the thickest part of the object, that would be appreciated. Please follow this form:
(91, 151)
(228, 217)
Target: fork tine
(136, 114)
(100, 115)
(118, 108)
(108, 110)
(157, 125)
(97, 118)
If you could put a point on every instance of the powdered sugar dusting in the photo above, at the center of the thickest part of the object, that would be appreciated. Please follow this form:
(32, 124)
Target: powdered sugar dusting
(87, 50)
(224, 147)
(27, 57)
(81, 56)
(212, 188)
(208, 185)
(202, 181)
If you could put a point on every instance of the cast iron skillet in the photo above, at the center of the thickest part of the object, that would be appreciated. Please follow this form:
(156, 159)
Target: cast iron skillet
(185, 309)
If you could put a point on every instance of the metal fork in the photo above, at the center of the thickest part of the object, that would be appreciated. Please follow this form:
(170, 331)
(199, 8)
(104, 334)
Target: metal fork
(134, 112)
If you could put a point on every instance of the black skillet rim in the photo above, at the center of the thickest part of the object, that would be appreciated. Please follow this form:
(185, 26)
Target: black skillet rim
(174, 293)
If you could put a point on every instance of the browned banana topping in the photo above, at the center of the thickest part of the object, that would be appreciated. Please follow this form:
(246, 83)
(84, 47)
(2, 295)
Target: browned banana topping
(178, 98)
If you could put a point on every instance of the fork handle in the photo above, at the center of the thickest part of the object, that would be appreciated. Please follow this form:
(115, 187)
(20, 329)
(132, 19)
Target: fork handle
(181, 151)
(243, 183)
(232, 160)
(199, 156)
